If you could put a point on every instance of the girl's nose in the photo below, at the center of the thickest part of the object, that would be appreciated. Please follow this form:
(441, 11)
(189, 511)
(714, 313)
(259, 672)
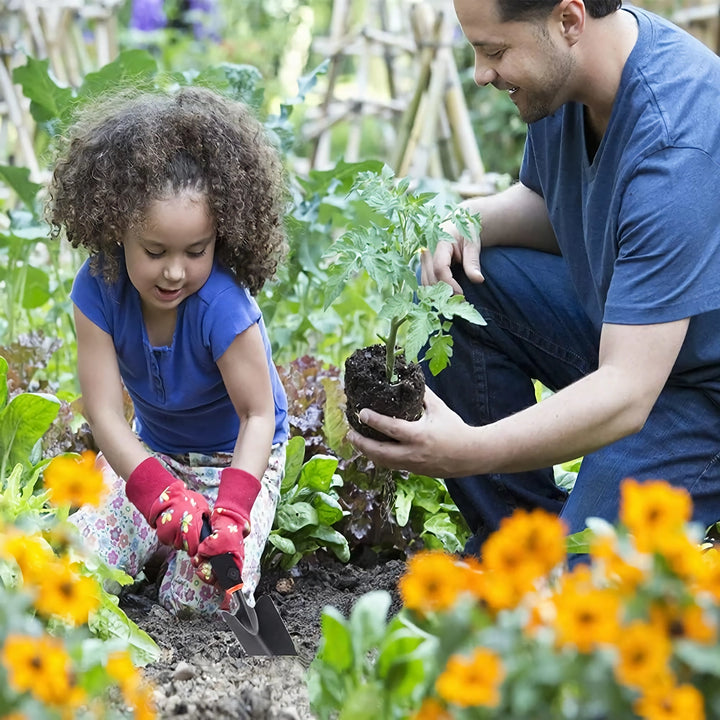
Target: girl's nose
(174, 271)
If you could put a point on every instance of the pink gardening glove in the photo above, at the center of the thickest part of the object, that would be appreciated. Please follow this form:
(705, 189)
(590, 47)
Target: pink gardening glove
(230, 521)
(175, 512)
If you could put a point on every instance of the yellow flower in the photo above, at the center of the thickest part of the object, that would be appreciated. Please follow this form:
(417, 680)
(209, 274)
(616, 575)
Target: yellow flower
(652, 510)
(644, 652)
(708, 579)
(432, 582)
(41, 666)
(431, 709)
(472, 682)
(136, 692)
(64, 593)
(671, 702)
(32, 554)
(74, 481)
(586, 616)
(527, 546)
(686, 621)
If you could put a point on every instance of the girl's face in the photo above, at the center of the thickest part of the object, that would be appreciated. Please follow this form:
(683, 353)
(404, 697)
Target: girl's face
(171, 257)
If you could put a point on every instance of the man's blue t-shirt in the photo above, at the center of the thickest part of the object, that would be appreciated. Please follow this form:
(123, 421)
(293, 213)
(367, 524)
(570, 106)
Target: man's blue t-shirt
(639, 223)
(181, 404)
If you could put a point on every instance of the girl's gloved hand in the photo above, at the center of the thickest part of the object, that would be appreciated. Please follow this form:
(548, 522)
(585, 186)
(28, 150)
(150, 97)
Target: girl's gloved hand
(175, 512)
(230, 520)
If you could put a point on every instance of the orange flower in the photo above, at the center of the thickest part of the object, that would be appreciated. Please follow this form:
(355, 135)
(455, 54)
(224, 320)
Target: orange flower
(64, 593)
(708, 579)
(586, 616)
(652, 510)
(431, 709)
(31, 553)
(74, 481)
(686, 621)
(671, 702)
(644, 653)
(528, 543)
(472, 682)
(432, 583)
(41, 666)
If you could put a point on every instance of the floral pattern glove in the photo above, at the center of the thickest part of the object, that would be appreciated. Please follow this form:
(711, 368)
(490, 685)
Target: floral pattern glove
(230, 520)
(175, 512)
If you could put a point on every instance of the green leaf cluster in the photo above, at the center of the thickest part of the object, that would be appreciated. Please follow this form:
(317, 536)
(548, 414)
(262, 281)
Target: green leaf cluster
(307, 510)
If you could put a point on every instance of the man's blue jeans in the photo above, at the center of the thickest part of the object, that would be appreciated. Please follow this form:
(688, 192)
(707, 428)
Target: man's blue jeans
(536, 329)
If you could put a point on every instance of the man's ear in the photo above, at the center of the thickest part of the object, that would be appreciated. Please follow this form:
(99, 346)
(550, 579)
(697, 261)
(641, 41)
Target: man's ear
(570, 14)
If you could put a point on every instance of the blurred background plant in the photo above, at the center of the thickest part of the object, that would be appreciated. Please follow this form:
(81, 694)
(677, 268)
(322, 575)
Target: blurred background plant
(631, 633)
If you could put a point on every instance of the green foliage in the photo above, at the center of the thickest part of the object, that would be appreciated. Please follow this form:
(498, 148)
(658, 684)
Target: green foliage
(386, 512)
(307, 510)
(397, 226)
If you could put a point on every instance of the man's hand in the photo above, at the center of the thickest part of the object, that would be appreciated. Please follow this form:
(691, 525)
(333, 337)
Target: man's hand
(433, 445)
(438, 266)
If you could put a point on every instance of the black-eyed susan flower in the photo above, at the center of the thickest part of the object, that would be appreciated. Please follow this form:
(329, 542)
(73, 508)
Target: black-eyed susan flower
(63, 592)
(526, 547)
(432, 583)
(41, 666)
(472, 681)
(74, 481)
(643, 655)
(586, 616)
(671, 702)
(653, 510)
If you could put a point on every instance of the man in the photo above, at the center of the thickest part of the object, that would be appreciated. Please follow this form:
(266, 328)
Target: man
(600, 274)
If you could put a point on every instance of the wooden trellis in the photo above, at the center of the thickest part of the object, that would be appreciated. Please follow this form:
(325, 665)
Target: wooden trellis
(421, 107)
(75, 36)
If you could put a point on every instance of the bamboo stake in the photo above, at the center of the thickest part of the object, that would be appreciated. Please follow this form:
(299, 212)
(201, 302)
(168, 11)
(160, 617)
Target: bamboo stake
(421, 23)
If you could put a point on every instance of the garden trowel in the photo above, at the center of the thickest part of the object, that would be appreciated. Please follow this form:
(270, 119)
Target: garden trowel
(260, 629)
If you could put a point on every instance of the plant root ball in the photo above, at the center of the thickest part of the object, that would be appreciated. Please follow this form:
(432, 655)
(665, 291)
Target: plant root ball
(366, 386)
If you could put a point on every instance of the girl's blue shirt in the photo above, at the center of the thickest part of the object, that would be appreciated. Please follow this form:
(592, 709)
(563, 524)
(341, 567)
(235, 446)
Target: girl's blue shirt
(639, 222)
(181, 404)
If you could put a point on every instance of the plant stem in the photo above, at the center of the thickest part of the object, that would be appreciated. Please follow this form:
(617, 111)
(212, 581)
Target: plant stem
(395, 324)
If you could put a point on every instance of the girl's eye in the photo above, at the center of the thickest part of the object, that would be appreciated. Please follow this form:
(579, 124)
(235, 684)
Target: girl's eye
(198, 254)
(153, 254)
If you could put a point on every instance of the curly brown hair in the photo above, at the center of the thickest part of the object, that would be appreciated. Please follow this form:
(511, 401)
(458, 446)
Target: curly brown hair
(130, 150)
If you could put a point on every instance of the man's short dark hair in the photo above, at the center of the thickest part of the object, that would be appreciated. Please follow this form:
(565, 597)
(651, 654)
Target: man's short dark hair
(536, 9)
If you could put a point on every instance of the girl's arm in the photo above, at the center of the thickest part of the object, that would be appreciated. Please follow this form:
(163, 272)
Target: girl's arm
(102, 397)
(244, 370)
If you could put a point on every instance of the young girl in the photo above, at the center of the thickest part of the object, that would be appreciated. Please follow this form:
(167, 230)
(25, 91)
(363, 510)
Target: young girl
(178, 197)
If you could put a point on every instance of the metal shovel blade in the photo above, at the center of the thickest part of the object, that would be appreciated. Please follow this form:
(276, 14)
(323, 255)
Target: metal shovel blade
(260, 629)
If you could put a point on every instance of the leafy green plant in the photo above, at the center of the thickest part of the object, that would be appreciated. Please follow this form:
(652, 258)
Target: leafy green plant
(399, 224)
(307, 510)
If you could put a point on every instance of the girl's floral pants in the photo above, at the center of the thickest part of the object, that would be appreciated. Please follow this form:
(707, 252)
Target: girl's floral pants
(120, 536)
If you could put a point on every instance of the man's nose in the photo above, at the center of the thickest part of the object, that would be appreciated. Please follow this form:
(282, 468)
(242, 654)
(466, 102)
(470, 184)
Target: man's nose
(484, 74)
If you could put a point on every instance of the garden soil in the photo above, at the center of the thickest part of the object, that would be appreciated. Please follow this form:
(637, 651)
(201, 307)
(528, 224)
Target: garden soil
(204, 674)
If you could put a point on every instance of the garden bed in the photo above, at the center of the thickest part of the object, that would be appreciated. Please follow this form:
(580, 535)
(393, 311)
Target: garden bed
(203, 672)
